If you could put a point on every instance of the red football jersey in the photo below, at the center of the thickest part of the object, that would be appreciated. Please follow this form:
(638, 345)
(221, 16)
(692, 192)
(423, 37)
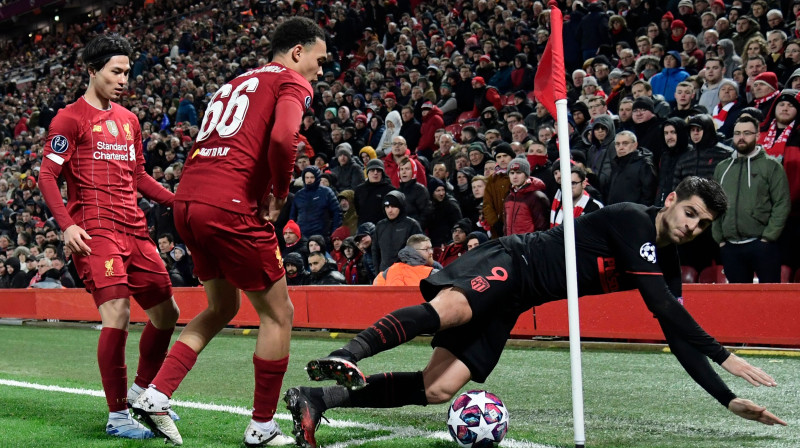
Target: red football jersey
(99, 152)
(245, 150)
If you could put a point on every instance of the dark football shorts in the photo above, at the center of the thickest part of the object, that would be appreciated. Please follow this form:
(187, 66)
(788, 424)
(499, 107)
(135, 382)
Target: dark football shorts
(492, 283)
(240, 248)
(123, 265)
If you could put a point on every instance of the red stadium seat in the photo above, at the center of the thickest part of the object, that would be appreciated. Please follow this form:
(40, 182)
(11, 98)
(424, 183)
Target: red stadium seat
(688, 274)
(508, 100)
(531, 96)
(712, 274)
(466, 116)
(786, 274)
(455, 129)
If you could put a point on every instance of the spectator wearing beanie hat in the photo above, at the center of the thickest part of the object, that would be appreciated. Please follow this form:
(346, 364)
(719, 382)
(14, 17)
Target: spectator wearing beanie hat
(689, 17)
(527, 208)
(485, 96)
(348, 173)
(458, 246)
(676, 32)
(368, 198)
(497, 188)
(295, 242)
(765, 89)
(392, 232)
(475, 239)
(296, 274)
(337, 236)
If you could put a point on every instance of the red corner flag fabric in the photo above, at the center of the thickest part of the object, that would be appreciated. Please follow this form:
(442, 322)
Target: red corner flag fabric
(550, 82)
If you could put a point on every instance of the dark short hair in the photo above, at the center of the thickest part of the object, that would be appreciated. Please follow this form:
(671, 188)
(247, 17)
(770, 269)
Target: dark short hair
(316, 253)
(708, 190)
(102, 48)
(295, 31)
(168, 236)
(747, 118)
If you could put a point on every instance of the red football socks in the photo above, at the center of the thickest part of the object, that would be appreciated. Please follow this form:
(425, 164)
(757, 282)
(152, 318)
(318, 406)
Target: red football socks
(153, 347)
(179, 362)
(113, 371)
(269, 378)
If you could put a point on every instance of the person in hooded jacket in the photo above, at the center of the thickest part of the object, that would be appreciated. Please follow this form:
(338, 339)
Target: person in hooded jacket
(527, 208)
(322, 271)
(347, 205)
(676, 143)
(355, 268)
(16, 278)
(522, 74)
(485, 96)
(369, 196)
(445, 214)
(393, 125)
(600, 135)
(418, 203)
(707, 151)
(392, 232)
(315, 207)
(296, 274)
(701, 160)
(730, 59)
(633, 178)
(349, 173)
(376, 130)
(431, 121)
(463, 193)
(490, 119)
(458, 245)
(665, 82)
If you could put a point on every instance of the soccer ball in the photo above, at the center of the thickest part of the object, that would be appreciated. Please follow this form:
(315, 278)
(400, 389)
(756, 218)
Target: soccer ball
(477, 419)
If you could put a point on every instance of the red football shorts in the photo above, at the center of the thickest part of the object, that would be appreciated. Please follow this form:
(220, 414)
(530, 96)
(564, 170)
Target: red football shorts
(242, 249)
(123, 265)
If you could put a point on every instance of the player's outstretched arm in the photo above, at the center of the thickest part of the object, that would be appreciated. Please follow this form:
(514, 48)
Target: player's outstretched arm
(754, 375)
(748, 410)
(73, 238)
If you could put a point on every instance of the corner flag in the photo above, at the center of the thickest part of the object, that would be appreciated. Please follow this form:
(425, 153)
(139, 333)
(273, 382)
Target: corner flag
(550, 84)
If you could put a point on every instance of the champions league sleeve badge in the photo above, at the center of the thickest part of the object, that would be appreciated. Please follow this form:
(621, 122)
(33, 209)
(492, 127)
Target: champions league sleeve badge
(60, 144)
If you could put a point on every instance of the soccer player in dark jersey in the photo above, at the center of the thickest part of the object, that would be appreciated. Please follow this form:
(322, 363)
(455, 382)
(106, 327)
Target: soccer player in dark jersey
(97, 146)
(473, 304)
(234, 184)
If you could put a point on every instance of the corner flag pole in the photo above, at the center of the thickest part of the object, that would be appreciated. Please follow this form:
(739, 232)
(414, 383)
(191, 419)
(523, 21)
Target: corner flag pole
(572, 275)
(550, 89)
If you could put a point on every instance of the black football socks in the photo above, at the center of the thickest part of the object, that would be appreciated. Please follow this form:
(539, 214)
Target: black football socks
(390, 331)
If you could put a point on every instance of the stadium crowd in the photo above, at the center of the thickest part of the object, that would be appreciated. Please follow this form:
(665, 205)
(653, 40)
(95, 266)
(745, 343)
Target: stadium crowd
(424, 139)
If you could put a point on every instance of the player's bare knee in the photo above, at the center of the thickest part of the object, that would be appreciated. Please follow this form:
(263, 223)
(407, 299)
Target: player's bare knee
(436, 394)
(224, 311)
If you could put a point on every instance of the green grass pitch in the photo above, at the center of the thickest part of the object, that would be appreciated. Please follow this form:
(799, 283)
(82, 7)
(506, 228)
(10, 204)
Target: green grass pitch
(632, 399)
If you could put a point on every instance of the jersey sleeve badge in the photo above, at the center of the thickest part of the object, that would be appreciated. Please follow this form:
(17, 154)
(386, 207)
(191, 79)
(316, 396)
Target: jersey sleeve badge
(648, 252)
(60, 144)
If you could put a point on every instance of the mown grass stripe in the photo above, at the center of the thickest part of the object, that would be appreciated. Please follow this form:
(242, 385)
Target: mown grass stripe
(395, 432)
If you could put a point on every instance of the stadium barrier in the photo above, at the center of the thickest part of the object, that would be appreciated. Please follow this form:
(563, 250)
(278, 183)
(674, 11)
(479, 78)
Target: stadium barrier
(766, 314)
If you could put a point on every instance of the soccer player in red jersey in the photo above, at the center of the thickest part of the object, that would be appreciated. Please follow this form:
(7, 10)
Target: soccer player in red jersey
(235, 182)
(97, 146)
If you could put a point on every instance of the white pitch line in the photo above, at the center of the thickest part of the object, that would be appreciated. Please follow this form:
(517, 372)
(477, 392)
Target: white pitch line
(395, 431)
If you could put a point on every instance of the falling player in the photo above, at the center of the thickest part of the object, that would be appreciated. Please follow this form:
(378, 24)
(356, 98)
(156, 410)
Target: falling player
(97, 145)
(473, 304)
(234, 185)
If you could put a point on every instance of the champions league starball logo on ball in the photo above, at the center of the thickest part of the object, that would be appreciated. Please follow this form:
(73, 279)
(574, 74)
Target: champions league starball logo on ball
(477, 419)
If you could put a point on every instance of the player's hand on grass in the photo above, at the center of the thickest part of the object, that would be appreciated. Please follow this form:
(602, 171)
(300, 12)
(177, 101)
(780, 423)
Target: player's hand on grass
(751, 411)
(754, 375)
(73, 238)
